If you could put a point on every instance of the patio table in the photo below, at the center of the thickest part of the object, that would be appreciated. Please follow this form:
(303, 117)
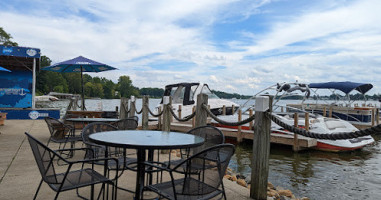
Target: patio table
(143, 140)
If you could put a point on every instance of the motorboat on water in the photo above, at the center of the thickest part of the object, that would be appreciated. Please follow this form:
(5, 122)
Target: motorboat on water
(45, 98)
(342, 106)
(185, 94)
(316, 123)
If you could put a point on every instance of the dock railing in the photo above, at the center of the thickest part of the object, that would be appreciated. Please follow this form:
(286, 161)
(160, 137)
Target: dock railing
(262, 125)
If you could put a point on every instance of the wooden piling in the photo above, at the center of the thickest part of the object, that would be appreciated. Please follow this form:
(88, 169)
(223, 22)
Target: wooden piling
(179, 111)
(194, 118)
(123, 108)
(373, 116)
(145, 106)
(295, 147)
(233, 109)
(132, 107)
(201, 114)
(261, 149)
(251, 122)
(223, 110)
(377, 116)
(239, 131)
(307, 121)
(166, 114)
(159, 119)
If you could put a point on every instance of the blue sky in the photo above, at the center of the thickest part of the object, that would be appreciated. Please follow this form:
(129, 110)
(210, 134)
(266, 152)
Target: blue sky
(233, 45)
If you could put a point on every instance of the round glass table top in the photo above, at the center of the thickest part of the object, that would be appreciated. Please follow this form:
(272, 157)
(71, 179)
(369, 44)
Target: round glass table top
(92, 119)
(147, 139)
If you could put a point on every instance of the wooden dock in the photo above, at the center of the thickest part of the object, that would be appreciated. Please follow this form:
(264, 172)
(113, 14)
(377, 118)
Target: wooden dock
(275, 138)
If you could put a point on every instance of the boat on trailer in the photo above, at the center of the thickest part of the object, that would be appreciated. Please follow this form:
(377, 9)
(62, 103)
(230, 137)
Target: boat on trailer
(185, 94)
(316, 123)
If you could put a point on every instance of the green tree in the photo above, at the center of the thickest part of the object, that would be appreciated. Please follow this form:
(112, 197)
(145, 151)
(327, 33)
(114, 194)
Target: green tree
(5, 38)
(126, 89)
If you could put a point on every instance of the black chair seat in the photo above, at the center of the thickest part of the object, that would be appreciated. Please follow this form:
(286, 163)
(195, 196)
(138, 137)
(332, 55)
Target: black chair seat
(78, 179)
(188, 188)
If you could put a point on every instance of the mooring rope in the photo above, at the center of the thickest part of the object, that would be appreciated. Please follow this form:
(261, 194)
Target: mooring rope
(239, 123)
(155, 115)
(333, 136)
(187, 118)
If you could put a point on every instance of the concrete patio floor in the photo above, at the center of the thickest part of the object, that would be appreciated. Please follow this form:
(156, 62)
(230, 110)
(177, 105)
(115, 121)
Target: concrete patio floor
(19, 175)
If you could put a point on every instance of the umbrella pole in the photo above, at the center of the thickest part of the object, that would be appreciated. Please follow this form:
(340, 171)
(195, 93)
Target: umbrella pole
(83, 94)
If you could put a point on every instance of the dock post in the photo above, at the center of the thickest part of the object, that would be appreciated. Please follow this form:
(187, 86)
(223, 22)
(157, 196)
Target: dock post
(251, 122)
(201, 114)
(377, 116)
(159, 119)
(261, 149)
(145, 112)
(123, 108)
(194, 118)
(166, 113)
(239, 132)
(179, 111)
(132, 107)
(295, 147)
(373, 116)
(223, 110)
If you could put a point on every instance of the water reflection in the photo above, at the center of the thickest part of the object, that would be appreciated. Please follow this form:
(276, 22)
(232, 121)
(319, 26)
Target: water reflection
(317, 174)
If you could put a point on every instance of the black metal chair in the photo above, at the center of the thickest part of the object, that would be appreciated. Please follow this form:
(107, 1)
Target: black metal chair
(212, 136)
(126, 124)
(61, 133)
(70, 179)
(207, 183)
(124, 162)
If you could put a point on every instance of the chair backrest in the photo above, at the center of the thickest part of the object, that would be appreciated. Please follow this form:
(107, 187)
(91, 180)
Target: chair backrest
(45, 158)
(95, 128)
(126, 124)
(211, 164)
(56, 128)
(211, 135)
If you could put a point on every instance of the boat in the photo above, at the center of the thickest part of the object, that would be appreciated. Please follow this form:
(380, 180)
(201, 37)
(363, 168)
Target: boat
(185, 94)
(45, 98)
(361, 115)
(316, 123)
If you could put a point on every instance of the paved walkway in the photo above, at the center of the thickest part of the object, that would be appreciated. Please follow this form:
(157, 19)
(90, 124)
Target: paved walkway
(19, 175)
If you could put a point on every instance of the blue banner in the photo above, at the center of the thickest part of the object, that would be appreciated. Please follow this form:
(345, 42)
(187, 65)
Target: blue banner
(20, 51)
(16, 89)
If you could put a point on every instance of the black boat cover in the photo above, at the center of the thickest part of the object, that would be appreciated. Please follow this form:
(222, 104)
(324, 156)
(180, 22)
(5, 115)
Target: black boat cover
(345, 87)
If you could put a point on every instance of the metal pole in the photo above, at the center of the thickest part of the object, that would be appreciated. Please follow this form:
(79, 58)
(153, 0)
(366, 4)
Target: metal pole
(83, 94)
(34, 84)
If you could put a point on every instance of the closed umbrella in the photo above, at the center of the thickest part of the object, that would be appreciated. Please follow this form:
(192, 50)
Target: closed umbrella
(79, 64)
(5, 70)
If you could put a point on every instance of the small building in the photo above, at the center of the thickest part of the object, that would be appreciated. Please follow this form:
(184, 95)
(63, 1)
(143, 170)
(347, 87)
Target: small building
(18, 87)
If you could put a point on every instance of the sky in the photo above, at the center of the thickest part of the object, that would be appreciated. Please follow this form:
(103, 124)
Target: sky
(235, 46)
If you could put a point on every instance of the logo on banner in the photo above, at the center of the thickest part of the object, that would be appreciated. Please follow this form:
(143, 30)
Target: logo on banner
(7, 50)
(35, 114)
(31, 52)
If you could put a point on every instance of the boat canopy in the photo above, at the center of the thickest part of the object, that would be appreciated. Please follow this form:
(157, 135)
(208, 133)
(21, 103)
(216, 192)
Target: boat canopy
(345, 87)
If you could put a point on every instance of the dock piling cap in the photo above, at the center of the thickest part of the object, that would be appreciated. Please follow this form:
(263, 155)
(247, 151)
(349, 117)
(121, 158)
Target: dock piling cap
(262, 104)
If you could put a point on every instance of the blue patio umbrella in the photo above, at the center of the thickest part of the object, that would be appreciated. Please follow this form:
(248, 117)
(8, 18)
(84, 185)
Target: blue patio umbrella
(5, 70)
(79, 64)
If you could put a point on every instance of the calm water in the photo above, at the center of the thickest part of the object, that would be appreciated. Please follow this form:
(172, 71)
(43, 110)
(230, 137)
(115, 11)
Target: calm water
(315, 174)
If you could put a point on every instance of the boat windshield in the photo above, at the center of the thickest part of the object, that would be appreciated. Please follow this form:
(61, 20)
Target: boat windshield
(206, 90)
(177, 94)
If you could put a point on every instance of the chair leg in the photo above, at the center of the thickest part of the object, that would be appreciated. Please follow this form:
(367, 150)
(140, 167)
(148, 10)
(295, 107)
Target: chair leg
(92, 192)
(56, 197)
(38, 189)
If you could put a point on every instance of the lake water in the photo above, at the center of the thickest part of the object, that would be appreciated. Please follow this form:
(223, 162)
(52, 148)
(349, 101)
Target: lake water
(315, 174)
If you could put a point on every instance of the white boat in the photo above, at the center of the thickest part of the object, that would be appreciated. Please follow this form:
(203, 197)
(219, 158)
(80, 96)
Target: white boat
(45, 98)
(185, 94)
(317, 123)
(342, 107)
